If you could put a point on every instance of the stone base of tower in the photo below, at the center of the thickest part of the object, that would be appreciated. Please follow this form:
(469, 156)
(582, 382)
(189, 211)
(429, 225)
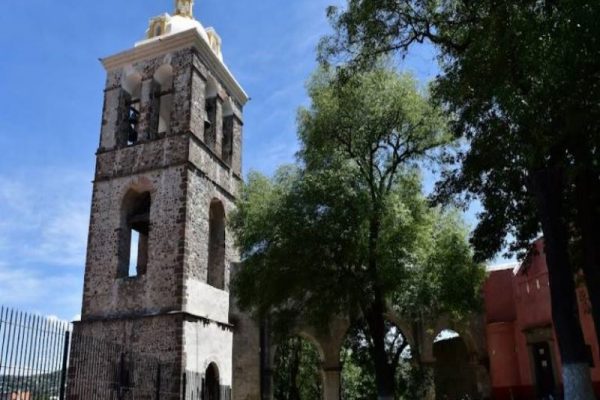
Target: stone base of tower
(208, 344)
(246, 358)
(162, 356)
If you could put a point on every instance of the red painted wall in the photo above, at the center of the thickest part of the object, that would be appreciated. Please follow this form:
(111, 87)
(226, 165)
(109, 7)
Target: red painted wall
(517, 302)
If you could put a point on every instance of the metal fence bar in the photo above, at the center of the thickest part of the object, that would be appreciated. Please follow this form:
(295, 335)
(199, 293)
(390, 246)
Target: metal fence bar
(22, 373)
(19, 370)
(31, 350)
(58, 341)
(8, 376)
(43, 359)
(37, 360)
(3, 325)
(44, 352)
(17, 375)
(65, 360)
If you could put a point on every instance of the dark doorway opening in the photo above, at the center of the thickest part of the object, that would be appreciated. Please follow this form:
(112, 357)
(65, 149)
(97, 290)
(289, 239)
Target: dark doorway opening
(212, 387)
(544, 371)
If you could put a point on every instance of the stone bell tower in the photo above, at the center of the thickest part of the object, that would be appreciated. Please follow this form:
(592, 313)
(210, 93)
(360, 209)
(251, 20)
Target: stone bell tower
(168, 170)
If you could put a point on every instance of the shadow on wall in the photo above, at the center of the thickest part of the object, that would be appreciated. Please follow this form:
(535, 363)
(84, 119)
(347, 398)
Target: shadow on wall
(454, 375)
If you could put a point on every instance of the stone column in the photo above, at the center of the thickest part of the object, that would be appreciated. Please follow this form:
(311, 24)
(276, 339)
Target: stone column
(236, 145)
(332, 382)
(227, 139)
(188, 96)
(149, 110)
(428, 367)
(482, 377)
(218, 127)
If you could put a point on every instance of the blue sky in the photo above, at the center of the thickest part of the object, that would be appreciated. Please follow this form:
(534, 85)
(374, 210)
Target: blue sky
(50, 108)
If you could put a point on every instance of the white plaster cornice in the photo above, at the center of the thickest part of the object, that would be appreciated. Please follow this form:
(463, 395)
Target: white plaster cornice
(190, 38)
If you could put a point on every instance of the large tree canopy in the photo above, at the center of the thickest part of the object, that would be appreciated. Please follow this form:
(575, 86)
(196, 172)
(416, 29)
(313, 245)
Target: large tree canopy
(521, 82)
(345, 231)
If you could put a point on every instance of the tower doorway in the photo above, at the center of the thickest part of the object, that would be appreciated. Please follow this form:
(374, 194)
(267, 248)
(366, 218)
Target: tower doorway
(212, 386)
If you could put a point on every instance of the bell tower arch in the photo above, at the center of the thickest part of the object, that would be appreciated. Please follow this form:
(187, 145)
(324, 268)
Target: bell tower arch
(159, 256)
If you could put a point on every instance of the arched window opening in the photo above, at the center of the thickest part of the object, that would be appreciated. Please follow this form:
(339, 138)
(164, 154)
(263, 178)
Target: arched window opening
(130, 117)
(228, 122)
(163, 98)
(134, 232)
(454, 373)
(297, 370)
(210, 108)
(358, 369)
(212, 385)
(216, 245)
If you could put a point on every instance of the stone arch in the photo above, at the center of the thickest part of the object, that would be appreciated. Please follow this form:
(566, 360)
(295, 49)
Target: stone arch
(212, 88)
(402, 341)
(228, 108)
(212, 383)
(211, 105)
(473, 356)
(228, 131)
(403, 325)
(276, 352)
(304, 334)
(134, 233)
(129, 108)
(468, 331)
(131, 82)
(216, 245)
(164, 76)
(453, 372)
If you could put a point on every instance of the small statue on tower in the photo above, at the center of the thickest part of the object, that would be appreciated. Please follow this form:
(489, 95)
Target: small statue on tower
(185, 8)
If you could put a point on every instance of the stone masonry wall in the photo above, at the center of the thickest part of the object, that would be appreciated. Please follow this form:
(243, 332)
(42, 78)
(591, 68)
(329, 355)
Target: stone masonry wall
(158, 290)
(169, 311)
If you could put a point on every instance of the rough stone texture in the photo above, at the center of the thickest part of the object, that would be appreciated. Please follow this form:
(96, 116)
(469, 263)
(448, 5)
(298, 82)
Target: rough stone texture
(159, 289)
(169, 311)
(247, 374)
(96, 360)
(454, 374)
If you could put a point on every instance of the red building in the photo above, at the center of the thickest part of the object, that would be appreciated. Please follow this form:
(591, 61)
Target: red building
(522, 348)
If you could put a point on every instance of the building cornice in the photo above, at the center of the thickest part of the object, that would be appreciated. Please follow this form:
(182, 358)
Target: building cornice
(190, 38)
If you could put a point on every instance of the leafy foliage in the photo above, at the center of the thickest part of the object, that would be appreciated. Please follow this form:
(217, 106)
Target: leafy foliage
(296, 374)
(342, 232)
(520, 79)
(447, 281)
(521, 84)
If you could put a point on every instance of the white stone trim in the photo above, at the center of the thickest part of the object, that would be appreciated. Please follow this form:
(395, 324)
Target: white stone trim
(189, 38)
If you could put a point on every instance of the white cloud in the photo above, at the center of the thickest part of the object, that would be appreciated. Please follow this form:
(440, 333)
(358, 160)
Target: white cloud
(37, 291)
(63, 237)
(43, 234)
(44, 218)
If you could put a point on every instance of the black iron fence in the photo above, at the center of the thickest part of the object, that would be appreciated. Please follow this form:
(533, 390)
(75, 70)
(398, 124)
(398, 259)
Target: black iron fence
(33, 356)
(44, 359)
(195, 387)
(99, 370)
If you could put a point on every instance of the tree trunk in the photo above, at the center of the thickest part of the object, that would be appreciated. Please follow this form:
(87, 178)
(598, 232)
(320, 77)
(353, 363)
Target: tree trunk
(548, 189)
(374, 314)
(588, 224)
(384, 376)
(295, 348)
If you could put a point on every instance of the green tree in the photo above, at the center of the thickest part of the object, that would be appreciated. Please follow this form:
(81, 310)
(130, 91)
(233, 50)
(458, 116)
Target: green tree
(297, 371)
(340, 233)
(358, 378)
(520, 80)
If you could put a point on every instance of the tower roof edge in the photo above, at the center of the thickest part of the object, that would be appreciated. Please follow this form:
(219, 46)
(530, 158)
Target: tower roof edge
(189, 38)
